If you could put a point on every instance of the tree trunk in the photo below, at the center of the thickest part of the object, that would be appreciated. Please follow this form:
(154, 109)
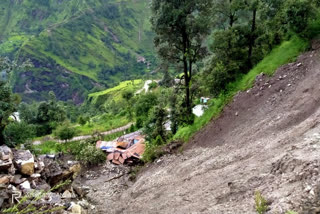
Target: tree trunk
(1, 135)
(231, 16)
(252, 37)
(187, 86)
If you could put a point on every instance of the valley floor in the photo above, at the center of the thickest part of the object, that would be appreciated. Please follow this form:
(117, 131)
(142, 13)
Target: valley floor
(267, 139)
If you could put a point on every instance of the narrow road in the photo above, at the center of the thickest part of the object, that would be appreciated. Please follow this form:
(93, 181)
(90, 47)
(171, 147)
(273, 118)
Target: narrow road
(78, 138)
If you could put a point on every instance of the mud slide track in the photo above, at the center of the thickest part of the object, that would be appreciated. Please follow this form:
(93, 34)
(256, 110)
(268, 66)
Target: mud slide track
(267, 139)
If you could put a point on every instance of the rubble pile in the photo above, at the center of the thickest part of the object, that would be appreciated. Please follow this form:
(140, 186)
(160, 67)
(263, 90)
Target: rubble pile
(22, 174)
(127, 149)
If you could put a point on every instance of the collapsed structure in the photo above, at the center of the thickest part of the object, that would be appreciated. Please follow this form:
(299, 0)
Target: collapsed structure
(127, 149)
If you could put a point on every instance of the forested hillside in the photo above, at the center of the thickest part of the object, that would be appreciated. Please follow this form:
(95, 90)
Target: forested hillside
(76, 46)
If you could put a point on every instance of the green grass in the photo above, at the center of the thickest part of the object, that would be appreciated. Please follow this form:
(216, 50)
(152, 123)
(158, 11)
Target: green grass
(283, 54)
(121, 86)
(52, 147)
(102, 124)
(116, 92)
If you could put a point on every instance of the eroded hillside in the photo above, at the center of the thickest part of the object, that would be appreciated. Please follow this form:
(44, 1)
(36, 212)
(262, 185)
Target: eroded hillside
(267, 139)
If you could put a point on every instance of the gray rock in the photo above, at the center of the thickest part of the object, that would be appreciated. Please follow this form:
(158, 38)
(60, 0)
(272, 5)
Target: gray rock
(66, 195)
(18, 180)
(24, 161)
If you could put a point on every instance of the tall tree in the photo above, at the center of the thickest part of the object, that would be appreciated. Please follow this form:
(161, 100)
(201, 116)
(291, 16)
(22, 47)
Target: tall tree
(8, 100)
(226, 12)
(181, 27)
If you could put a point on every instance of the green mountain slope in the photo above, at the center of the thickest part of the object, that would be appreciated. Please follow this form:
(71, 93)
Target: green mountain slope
(76, 45)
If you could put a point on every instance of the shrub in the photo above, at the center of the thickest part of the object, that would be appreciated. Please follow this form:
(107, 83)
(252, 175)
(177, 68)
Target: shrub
(90, 155)
(217, 79)
(139, 123)
(18, 133)
(152, 152)
(261, 203)
(298, 14)
(153, 85)
(82, 120)
(65, 132)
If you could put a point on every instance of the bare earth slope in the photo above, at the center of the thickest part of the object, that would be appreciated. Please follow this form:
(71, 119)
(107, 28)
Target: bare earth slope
(267, 139)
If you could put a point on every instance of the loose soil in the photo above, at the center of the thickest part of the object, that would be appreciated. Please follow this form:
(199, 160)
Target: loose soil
(267, 140)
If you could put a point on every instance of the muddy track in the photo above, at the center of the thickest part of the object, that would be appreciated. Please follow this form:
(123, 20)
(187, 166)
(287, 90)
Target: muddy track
(267, 139)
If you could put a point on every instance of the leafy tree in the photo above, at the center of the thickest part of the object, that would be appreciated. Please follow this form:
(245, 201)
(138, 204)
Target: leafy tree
(298, 14)
(216, 79)
(167, 81)
(8, 103)
(154, 126)
(82, 120)
(226, 13)
(144, 104)
(153, 85)
(18, 133)
(49, 115)
(65, 132)
(28, 113)
(127, 95)
(8, 100)
(180, 28)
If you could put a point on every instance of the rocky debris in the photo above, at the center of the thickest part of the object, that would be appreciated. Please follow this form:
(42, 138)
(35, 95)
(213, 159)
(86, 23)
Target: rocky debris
(6, 157)
(21, 173)
(66, 195)
(24, 161)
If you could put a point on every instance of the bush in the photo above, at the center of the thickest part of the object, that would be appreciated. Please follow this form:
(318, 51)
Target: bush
(298, 14)
(65, 132)
(82, 120)
(261, 203)
(18, 133)
(153, 85)
(90, 155)
(139, 123)
(217, 79)
(152, 152)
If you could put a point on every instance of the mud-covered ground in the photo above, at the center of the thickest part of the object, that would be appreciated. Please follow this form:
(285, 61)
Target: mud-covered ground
(267, 139)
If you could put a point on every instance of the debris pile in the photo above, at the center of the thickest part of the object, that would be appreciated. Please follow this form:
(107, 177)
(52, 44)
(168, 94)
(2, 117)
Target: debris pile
(24, 175)
(127, 149)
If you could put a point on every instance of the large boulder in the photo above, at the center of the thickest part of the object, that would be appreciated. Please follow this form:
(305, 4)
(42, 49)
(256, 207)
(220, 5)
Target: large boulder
(6, 157)
(24, 161)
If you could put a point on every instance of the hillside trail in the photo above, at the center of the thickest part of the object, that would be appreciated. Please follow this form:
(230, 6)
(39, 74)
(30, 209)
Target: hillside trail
(85, 137)
(267, 140)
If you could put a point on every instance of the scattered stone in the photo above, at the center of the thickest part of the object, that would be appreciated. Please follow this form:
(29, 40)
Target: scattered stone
(299, 64)
(66, 195)
(76, 209)
(6, 157)
(18, 180)
(237, 113)
(43, 186)
(25, 185)
(35, 176)
(5, 179)
(80, 190)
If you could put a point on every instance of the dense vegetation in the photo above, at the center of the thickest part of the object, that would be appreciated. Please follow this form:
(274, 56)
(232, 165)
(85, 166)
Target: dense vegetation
(76, 46)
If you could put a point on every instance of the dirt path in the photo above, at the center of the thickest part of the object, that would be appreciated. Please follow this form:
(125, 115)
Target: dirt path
(267, 139)
(78, 138)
